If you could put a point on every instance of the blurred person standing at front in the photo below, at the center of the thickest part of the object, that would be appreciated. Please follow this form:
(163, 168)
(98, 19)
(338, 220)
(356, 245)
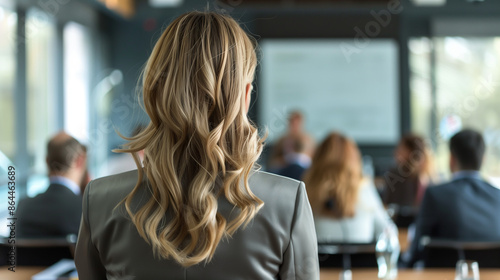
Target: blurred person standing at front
(286, 147)
(297, 161)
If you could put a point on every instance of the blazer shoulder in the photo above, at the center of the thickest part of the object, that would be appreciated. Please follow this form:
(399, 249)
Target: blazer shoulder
(452, 184)
(112, 188)
(441, 192)
(447, 190)
(272, 189)
(262, 180)
(276, 191)
(443, 186)
(126, 182)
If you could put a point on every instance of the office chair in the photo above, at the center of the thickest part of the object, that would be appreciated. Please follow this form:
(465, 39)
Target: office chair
(347, 255)
(38, 251)
(445, 252)
(403, 216)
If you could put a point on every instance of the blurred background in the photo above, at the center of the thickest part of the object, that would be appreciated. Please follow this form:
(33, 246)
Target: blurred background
(372, 69)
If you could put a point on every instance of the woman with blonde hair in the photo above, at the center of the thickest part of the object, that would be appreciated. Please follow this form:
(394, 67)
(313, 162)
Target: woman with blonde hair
(345, 205)
(198, 208)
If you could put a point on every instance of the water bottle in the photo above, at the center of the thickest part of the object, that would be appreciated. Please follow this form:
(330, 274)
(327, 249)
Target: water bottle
(387, 251)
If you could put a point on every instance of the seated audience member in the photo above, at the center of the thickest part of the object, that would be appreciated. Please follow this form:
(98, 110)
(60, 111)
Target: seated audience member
(406, 183)
(287, 143)
(198, 206)
(297, 161)
(467, 207)
(346, 206)
(56, 212)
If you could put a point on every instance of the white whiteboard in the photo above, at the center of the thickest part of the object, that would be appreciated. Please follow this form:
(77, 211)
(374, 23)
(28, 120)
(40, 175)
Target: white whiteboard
(357, 96)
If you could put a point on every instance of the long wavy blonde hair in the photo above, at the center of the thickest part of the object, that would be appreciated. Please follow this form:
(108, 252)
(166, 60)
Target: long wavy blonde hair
(334, 178)
(199, 144)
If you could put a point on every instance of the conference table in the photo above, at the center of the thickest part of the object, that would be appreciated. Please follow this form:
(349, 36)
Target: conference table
(403, 239)
(21, 273)
(25, 273)
(410, 274)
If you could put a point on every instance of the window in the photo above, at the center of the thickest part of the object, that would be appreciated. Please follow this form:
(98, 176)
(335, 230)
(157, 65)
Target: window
(76, 80)
(8, 25)
(467, 93)
(41, 86)
(420, 86)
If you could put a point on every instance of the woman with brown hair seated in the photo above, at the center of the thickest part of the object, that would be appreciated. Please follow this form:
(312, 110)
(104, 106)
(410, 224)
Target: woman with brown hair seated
(406, 183)
(346, 206)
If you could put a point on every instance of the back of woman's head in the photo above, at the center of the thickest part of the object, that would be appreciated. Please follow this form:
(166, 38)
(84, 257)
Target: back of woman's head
(334, 177)
(199, 143)
(413, 155)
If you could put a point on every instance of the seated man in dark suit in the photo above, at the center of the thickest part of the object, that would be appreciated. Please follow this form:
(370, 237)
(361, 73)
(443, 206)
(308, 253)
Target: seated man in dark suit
(467, 207)
(56, 212)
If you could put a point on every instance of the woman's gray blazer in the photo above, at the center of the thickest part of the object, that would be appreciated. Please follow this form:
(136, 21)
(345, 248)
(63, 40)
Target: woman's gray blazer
(279, 243)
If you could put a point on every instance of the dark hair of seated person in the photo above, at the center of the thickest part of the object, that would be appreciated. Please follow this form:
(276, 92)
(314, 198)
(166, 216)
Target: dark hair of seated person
(468, 147)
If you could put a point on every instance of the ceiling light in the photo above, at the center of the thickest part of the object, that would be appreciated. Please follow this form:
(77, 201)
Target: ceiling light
(429, 2)
(165, 3)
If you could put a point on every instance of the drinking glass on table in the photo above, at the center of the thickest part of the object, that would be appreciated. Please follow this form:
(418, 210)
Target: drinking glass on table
(345, 275)
(387, 251)
(467, 270)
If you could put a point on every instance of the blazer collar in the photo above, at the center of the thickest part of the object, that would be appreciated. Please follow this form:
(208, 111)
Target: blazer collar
(467, 174)
(63, 181)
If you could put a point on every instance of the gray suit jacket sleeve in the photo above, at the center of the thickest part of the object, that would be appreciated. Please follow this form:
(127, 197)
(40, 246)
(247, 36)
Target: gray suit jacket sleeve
(300, 260)
(86, 255)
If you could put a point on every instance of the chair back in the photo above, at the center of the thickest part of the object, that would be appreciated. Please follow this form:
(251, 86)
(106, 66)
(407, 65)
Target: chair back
(347, 255)
(439, 252)
(37, 251)
(403, 216)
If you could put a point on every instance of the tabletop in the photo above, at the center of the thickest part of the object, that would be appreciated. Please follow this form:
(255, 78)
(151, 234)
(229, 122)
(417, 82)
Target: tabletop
(409, 274)
(403, 239)
(25, 273)
(21, 273)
